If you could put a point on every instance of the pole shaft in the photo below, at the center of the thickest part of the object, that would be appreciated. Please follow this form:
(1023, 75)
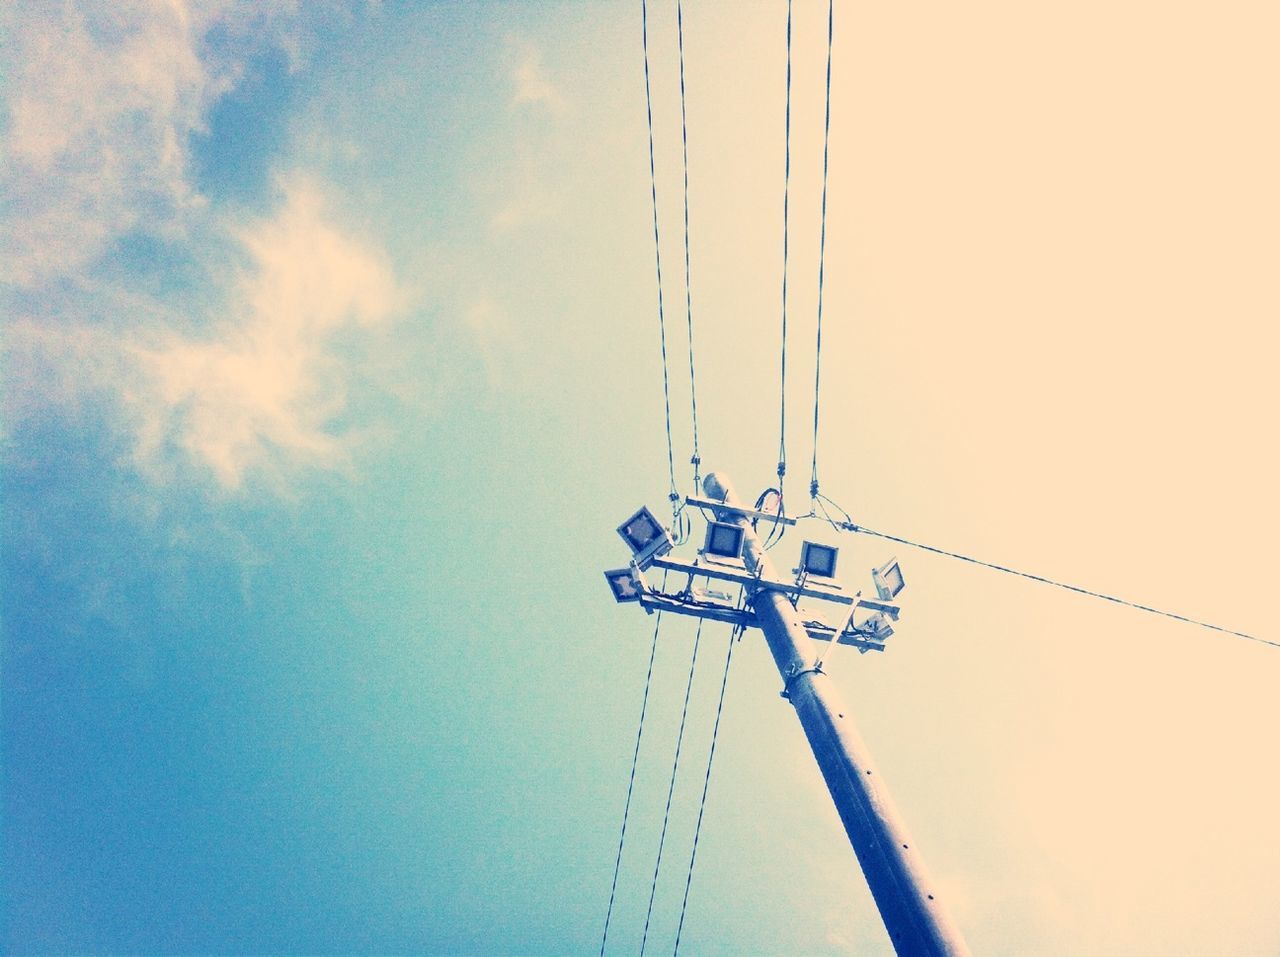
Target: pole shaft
(903, 891)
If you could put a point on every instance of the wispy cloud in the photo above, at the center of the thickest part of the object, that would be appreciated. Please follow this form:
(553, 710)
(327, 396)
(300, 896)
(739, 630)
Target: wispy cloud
(101, 102)
(260, 388)
(529, 81)
(266, 387)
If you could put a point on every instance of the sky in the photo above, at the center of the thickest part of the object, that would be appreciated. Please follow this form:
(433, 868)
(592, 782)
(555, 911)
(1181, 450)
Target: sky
(331, 362)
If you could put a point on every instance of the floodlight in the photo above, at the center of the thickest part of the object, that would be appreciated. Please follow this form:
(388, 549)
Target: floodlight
(646, 537)
(818, 560)
(877, 626)
(625, 583)
(640, 530)
(724, 540)
(888, 579)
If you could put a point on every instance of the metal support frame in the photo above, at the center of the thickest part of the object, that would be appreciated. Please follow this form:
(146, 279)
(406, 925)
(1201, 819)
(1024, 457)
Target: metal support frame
(806, 588)
(720, 507)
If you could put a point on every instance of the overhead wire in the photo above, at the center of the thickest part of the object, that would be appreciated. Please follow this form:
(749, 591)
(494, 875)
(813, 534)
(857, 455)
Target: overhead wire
(631, 781)
(706, 784)
(674, 495)
(675, 768)
(696, 459)
(819, 502)
(850, 526)
(786, 219)
(822, 252)
(679, 521)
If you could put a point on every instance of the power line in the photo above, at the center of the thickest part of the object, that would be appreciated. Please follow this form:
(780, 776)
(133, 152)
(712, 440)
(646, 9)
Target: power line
(675, 767)
(786, 218)
(657, 251)
(696, 459)
(822, 251)
(850, 526)
(706, 783)
(631, 783)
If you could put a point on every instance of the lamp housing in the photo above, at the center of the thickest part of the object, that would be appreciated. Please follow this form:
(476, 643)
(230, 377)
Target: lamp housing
(625, 583)
(724, 541)
(646, 537)
(888, 579)
(818, 561)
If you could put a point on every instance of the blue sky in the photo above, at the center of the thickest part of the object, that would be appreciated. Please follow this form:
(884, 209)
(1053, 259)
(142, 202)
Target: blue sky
(331, 363)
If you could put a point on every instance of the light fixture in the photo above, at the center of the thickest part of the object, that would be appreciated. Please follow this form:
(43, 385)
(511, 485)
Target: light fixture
(646, 537)
(724, 541)
(625, 583)
(888, 579)
(877, 626)
(818, 560)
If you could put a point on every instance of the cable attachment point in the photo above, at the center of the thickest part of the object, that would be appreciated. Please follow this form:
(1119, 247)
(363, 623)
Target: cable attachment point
(796, 674)
(782, 469)
(813, 489)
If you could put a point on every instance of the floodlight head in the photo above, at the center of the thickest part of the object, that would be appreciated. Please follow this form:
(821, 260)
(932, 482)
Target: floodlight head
(646, 537)
(724, 540)
(877, 626)
(640, 530)
(818, 560)
(626, 584)
(888, 579)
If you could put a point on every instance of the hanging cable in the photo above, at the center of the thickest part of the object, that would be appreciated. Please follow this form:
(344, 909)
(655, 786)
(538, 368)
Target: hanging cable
(706, 783)
(851, 527)
(631, 783)
(696, 459)
(675, 767)
(822, 253)
(657, 257)
(776, 528)
(786, 218)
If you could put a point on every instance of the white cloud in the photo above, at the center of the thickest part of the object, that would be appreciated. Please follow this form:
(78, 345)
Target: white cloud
(265, 390)
(530, 84)
(101, 102)
(260, 390)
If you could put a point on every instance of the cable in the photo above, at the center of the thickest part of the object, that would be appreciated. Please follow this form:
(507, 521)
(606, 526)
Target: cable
(706, 783)
(681, 526)
(777, 528)
(696, 459)
(822, 251)
(818, 500)
(675, 766)
(631, 783)
(657, 251)
(847, 517)
(849, 526)
(786, 218)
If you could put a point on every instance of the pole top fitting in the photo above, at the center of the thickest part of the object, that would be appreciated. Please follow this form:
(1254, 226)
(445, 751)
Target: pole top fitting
(718, 487)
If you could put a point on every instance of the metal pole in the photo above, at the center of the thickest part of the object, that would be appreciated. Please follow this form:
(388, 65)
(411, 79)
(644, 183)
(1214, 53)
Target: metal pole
(906, 896)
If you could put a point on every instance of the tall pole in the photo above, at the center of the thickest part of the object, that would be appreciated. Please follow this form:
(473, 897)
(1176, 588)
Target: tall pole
(917, 922)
